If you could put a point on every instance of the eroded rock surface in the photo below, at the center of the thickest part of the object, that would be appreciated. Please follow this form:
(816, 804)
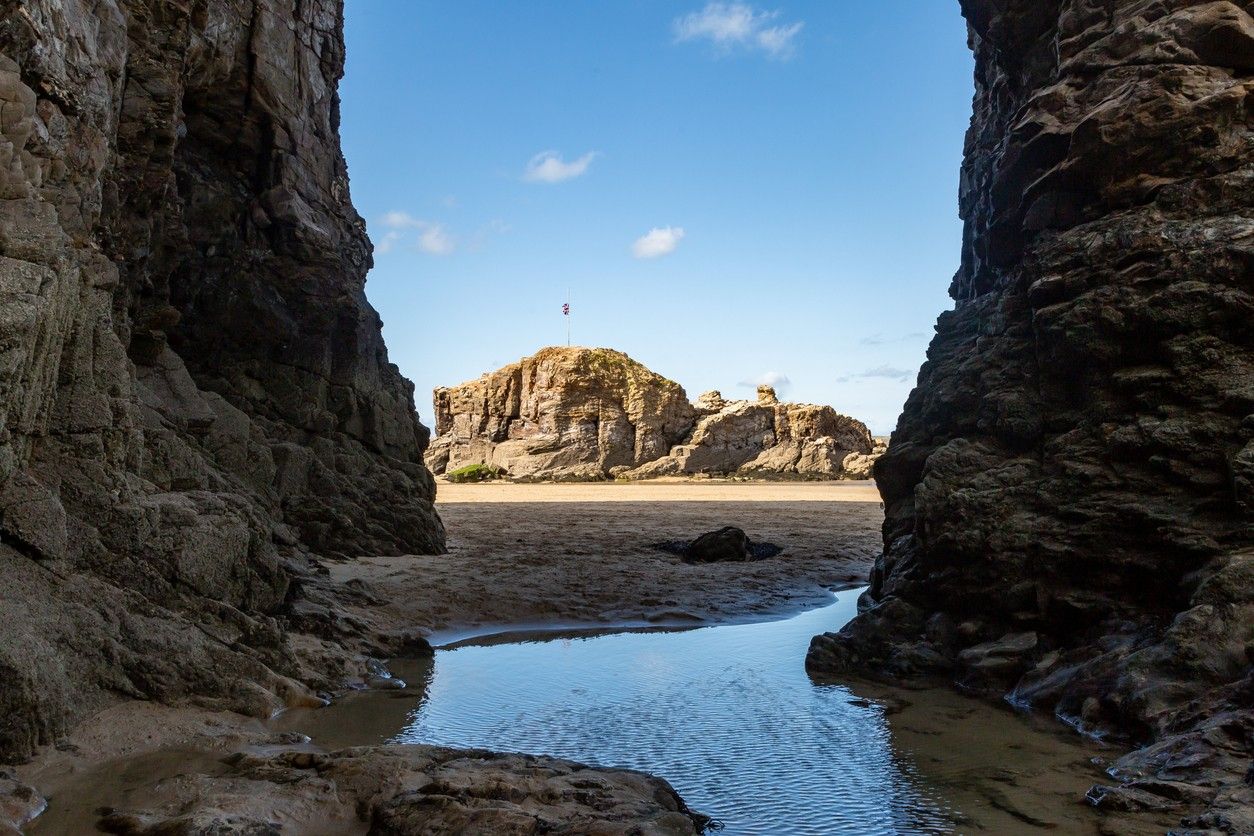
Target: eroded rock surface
(574, 413)
(578, 413)
(1068, 492)
(194, 392)
(766, 437)
(407, 791)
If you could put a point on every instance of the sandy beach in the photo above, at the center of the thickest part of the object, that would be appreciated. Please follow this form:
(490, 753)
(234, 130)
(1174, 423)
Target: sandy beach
(576, 555)
(521, 556)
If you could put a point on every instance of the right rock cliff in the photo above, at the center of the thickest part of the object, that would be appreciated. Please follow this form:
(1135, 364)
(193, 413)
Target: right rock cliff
(1069, 492)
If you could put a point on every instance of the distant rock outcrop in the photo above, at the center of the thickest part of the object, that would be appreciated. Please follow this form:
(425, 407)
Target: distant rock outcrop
(764, 437)
(563, 413)
(580, 413)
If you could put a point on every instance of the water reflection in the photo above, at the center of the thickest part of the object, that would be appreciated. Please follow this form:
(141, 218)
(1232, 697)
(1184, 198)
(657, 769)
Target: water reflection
(728, 715)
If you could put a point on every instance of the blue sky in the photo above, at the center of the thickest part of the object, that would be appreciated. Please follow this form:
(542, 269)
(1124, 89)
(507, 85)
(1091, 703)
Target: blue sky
(731, 192)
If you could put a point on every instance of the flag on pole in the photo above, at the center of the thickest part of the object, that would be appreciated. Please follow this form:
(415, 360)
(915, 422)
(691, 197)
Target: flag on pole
(566, 309)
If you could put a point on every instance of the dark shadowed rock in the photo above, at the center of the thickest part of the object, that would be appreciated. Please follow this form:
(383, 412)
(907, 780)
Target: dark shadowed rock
(1075, 462)
(728, 544)
(194, 391)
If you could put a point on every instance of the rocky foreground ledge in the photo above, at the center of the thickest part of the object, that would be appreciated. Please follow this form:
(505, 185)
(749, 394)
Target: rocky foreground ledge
(594, 413)
(151, 770)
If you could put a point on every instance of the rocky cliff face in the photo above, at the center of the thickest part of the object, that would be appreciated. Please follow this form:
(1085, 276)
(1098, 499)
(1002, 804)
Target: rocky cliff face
(767, 438)
(561, 413)
(590, 413)
(193, 389)
(1070, 490)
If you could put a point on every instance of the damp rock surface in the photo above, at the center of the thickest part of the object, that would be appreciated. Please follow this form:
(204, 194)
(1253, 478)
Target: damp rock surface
(728, 543)
(194, 391)
(1074, 464)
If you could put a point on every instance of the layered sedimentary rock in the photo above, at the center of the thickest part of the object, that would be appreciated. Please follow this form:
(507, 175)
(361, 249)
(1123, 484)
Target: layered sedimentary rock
(581, 413)
(404, 790)
(194, 391)
(563, 412)
(1070, 490)
(765, 437)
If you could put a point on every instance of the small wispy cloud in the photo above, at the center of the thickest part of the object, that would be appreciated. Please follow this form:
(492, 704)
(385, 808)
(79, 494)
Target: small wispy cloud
(881, 372)
(549, 167)
(387, 242)
(658, 242)
(401, 220)
(739, 26)
(777, 380)
(485, 233)
(435, 240)
(881, 339)
(432, 238)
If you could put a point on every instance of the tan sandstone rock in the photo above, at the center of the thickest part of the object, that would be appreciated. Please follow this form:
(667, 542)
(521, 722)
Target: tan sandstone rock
(765, 437)
(579, 413)
(573, 413)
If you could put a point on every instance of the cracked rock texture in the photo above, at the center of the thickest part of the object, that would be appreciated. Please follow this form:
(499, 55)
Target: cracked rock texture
(194, 392)
(593, 413)
(563, 412)
(408, 791)
(1070, 491)
(767, 438)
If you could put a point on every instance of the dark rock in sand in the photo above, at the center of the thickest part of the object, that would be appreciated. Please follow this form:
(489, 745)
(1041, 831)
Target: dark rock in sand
(1076, 460)
(728, 544)
(194, 391)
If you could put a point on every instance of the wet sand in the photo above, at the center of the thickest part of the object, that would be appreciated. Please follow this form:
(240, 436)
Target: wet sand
(544, 556)
(580, 555)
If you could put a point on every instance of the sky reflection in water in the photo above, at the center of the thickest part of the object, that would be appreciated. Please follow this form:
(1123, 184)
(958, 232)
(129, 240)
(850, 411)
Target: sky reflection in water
(727, 714)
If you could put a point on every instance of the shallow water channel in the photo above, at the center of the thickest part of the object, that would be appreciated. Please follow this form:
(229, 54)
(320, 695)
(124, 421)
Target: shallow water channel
(728, 715)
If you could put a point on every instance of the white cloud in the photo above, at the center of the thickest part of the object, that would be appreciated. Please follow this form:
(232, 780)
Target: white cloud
(657, 242)
(776, 380)
(387, 242)
(879, 338)
(549, 167)
(882, 372)
(732, 25)
(433, 238)
(401, 220)
(776, 41)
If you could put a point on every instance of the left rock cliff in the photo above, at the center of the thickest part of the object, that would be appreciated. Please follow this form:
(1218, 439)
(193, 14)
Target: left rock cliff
(194, 392)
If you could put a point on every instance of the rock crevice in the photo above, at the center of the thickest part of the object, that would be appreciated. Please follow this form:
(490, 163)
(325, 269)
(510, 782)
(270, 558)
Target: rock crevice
(593, 413)
(194, 391)
(1075, 462)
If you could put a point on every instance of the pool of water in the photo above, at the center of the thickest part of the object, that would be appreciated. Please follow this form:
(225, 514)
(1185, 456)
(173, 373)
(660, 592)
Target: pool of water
(729, 716)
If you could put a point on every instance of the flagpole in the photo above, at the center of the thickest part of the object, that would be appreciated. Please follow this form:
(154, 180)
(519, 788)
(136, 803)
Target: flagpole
(568, 317)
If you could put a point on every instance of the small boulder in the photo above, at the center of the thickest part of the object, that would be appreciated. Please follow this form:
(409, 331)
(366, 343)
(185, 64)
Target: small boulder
(728, 544)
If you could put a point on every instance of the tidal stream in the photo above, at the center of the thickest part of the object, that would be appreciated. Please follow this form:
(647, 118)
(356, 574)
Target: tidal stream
(729, 716)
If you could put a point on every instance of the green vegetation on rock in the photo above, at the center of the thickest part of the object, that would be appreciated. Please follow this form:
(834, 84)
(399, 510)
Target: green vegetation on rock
(475, 473)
